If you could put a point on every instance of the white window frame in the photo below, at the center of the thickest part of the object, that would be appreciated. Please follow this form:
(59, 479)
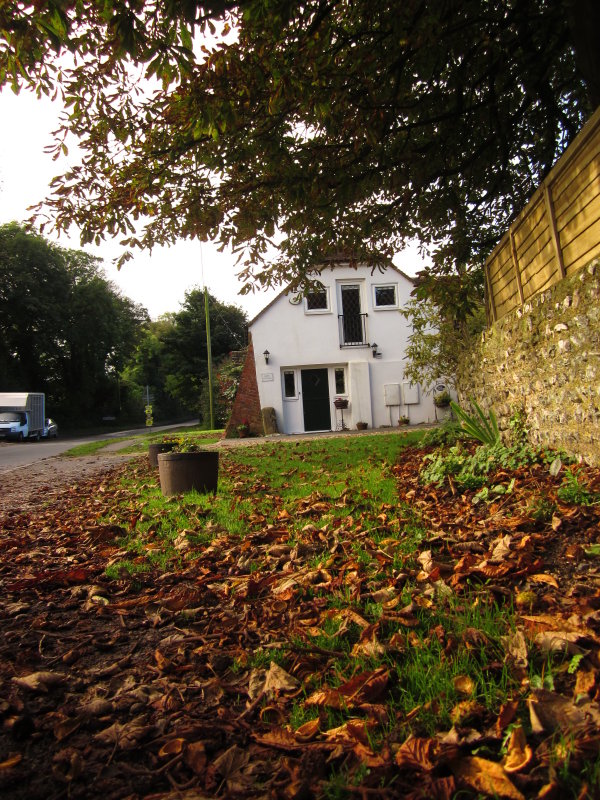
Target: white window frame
(285, 397)
(393, 286)
(327, 310)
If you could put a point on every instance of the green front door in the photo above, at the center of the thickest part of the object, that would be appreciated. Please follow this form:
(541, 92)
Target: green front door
(315, 400)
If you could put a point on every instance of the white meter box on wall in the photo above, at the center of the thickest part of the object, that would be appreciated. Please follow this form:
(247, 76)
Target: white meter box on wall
(410, 392)
(391, 394)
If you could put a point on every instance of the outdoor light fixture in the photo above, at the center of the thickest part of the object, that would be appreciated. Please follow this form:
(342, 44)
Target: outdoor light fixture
(266, 354)
(375, 351)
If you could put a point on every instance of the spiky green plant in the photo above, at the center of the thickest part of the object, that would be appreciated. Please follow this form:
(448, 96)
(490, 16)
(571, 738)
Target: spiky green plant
(478, 426)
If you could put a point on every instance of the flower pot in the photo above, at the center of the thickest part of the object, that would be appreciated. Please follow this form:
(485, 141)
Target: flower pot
(340, 402)
(362, 426)
(184, 472)
(155, 449)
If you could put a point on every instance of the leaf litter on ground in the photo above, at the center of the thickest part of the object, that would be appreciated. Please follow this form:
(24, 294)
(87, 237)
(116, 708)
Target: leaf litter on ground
(341, 642)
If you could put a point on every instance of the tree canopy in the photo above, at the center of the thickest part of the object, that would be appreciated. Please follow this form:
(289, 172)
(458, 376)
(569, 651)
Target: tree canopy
(327, 124)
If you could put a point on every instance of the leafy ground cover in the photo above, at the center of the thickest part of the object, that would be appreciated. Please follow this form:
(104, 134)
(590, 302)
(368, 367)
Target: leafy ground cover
(327, 625)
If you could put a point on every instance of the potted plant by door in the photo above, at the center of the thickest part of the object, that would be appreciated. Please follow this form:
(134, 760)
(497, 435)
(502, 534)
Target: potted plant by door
(188, 468)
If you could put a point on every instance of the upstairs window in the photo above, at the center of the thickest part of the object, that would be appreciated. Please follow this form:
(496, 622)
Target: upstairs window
(317, 300)
(385, 296)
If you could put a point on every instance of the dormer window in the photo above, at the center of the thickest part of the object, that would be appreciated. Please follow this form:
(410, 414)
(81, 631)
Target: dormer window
(317, 300)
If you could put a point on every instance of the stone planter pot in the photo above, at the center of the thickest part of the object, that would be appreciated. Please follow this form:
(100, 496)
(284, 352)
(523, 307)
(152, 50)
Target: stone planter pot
(184, 472)
(155, 449)
(362, 426)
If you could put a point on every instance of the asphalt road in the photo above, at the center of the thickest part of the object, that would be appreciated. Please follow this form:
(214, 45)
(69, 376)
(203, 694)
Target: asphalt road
(22, 454)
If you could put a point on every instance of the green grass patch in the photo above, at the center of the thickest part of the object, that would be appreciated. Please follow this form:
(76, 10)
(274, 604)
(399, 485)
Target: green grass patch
(91, 448)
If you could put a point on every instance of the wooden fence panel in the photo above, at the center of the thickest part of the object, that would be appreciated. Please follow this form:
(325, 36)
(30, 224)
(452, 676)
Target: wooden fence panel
(557, 233)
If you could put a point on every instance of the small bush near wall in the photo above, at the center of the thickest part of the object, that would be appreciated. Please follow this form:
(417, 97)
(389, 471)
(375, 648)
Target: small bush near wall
(544, 359)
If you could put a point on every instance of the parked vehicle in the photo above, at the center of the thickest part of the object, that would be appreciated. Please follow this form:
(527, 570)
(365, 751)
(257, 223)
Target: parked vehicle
(50, 429)
(22, 415)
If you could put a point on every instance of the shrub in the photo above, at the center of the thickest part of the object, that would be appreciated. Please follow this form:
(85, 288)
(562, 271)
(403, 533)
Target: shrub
(445, 435)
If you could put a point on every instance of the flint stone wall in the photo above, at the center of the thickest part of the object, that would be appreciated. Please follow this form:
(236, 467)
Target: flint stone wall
(544, 358)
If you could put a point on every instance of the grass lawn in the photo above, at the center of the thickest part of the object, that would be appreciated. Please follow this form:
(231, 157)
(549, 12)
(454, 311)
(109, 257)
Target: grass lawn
(327, 625)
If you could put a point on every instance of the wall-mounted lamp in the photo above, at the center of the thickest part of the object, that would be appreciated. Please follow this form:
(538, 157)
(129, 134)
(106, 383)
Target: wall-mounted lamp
(376, 352)
(266, 354)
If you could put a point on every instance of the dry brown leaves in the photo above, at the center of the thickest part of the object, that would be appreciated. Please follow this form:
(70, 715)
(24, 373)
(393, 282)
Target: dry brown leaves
(115, 690)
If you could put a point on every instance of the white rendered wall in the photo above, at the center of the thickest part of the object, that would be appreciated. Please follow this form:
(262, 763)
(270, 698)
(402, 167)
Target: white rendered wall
(296, 340)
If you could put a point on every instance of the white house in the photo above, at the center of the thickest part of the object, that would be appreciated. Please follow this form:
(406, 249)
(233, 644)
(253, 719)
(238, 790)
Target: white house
(347, 340)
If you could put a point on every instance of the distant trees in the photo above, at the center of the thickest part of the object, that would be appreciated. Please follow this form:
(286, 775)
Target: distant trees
(64, 329)
(171, 356)
(67, 331)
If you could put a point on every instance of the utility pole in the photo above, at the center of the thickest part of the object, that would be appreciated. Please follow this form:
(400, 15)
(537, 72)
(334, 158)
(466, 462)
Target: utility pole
(209, 356)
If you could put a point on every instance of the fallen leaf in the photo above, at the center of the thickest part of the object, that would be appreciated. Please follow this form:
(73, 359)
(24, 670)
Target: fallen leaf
(271, 683)
(516, 647)
(10, 762)
(40, 681)
(549, 712)
(363, 688)
(66, 727)
(195, 757)
(585, 682)
(501, 549)
(416, 753)
(519, 753)
(506, 715)
(560, 642)
(544, 578)
(487, 777)
(124, 736)
(355, 730)
(230, 763)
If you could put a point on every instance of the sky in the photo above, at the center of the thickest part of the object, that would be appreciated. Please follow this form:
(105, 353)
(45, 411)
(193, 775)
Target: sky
(158, 280)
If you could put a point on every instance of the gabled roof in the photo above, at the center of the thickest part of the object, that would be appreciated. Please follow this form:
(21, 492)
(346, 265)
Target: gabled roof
(331, 262)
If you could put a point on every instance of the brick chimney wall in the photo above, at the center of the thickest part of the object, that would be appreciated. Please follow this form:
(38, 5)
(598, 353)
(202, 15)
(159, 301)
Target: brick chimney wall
(246, 406)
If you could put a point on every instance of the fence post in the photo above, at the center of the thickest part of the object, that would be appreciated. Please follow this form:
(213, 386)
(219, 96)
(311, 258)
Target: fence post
(553, 231)
(513, 250)
(490, 292)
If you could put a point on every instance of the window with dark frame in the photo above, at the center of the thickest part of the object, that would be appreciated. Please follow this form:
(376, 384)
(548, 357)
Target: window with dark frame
(340, 380)
(316, 300)
(289, 383)
(385, 296)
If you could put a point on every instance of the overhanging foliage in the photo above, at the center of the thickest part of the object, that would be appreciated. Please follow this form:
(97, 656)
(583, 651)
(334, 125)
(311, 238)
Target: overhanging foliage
(316, 126)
